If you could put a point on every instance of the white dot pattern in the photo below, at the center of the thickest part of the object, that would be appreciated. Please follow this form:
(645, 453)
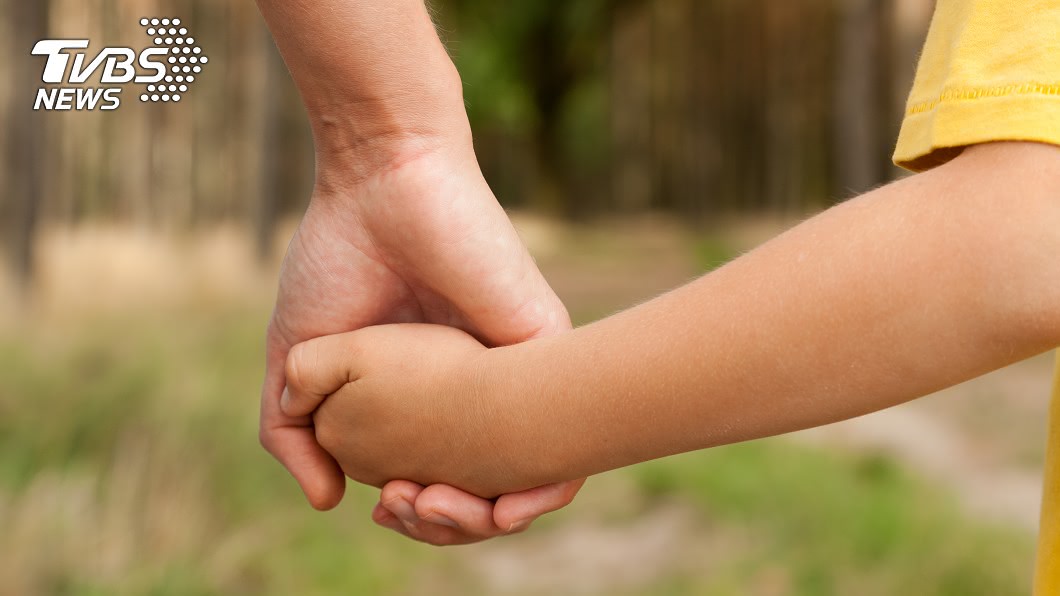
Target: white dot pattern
(167, 33)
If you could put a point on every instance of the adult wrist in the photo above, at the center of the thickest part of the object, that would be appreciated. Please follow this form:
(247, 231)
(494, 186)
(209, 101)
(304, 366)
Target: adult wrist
(361, 136)
(369, 73)
(396, 167)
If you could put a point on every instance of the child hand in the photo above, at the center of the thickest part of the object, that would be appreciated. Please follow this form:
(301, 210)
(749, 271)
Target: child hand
(403, 401)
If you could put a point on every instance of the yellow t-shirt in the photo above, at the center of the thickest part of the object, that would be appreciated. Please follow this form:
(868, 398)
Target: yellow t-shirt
(990, 71)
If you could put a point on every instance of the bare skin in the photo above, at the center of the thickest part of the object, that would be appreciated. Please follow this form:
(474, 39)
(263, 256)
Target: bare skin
(401, 228)
(906, 290)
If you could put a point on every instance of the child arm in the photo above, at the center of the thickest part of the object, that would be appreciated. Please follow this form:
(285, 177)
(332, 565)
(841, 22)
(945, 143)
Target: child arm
(910, 288)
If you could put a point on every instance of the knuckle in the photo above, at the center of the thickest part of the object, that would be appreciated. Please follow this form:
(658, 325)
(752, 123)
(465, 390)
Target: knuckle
(327, 437)
(294, 366)
(267, 442)
(518, 529)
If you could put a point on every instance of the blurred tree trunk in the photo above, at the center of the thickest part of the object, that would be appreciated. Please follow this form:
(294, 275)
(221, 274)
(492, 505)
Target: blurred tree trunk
(551, 78)
(910, 20)
(703, 144)
(631, 65)
(784, 103)
(742, 91)
(272, 165)
(857, 97)
(25, 138)
(665, 100)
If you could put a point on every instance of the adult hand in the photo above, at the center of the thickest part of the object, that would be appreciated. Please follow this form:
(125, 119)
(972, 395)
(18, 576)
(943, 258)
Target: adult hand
(418, 239)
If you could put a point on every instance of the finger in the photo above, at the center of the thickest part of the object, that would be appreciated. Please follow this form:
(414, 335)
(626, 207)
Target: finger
(397, 499)
(316, 472)
(400, 488)
(516, 511)
(445, 505)
(291, 440)
(317, 368)
(489, 275)
(383, 517)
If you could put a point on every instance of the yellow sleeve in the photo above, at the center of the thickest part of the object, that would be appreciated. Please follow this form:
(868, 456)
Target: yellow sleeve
(990, 71)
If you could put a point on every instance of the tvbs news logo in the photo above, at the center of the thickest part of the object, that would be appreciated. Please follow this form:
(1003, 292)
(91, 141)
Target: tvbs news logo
(166, 69)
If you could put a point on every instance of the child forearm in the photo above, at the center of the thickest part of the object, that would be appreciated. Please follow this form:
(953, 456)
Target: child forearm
(911, 288)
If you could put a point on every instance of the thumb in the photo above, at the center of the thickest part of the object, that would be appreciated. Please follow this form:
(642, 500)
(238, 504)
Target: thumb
(492, 279)
(317, 368)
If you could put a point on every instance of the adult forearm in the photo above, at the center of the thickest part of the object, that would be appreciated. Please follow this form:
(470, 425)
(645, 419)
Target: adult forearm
(374, 77)
(909, 289)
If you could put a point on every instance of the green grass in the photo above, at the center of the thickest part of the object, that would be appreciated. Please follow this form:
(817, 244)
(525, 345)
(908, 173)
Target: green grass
(129, 464)
(711, 252)
(842, 523)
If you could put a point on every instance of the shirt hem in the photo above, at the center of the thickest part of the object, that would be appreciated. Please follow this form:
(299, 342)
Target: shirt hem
(933, 133)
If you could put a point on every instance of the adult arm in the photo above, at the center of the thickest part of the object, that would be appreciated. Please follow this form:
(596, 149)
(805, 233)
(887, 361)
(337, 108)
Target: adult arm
(401, 227)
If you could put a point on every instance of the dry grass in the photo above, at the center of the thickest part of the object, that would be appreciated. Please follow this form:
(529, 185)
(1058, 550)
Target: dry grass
(123, 525)
(106, 269)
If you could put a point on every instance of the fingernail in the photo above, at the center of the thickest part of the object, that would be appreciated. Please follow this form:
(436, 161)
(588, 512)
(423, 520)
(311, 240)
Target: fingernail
(285, 400)
(437, 518)
(403, 510)
(519, 525)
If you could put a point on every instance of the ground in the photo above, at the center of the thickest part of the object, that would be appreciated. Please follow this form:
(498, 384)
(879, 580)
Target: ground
(128, 462)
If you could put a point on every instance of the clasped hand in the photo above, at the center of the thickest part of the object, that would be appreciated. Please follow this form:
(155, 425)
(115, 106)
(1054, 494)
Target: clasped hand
(420, 241)
(406, 401)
